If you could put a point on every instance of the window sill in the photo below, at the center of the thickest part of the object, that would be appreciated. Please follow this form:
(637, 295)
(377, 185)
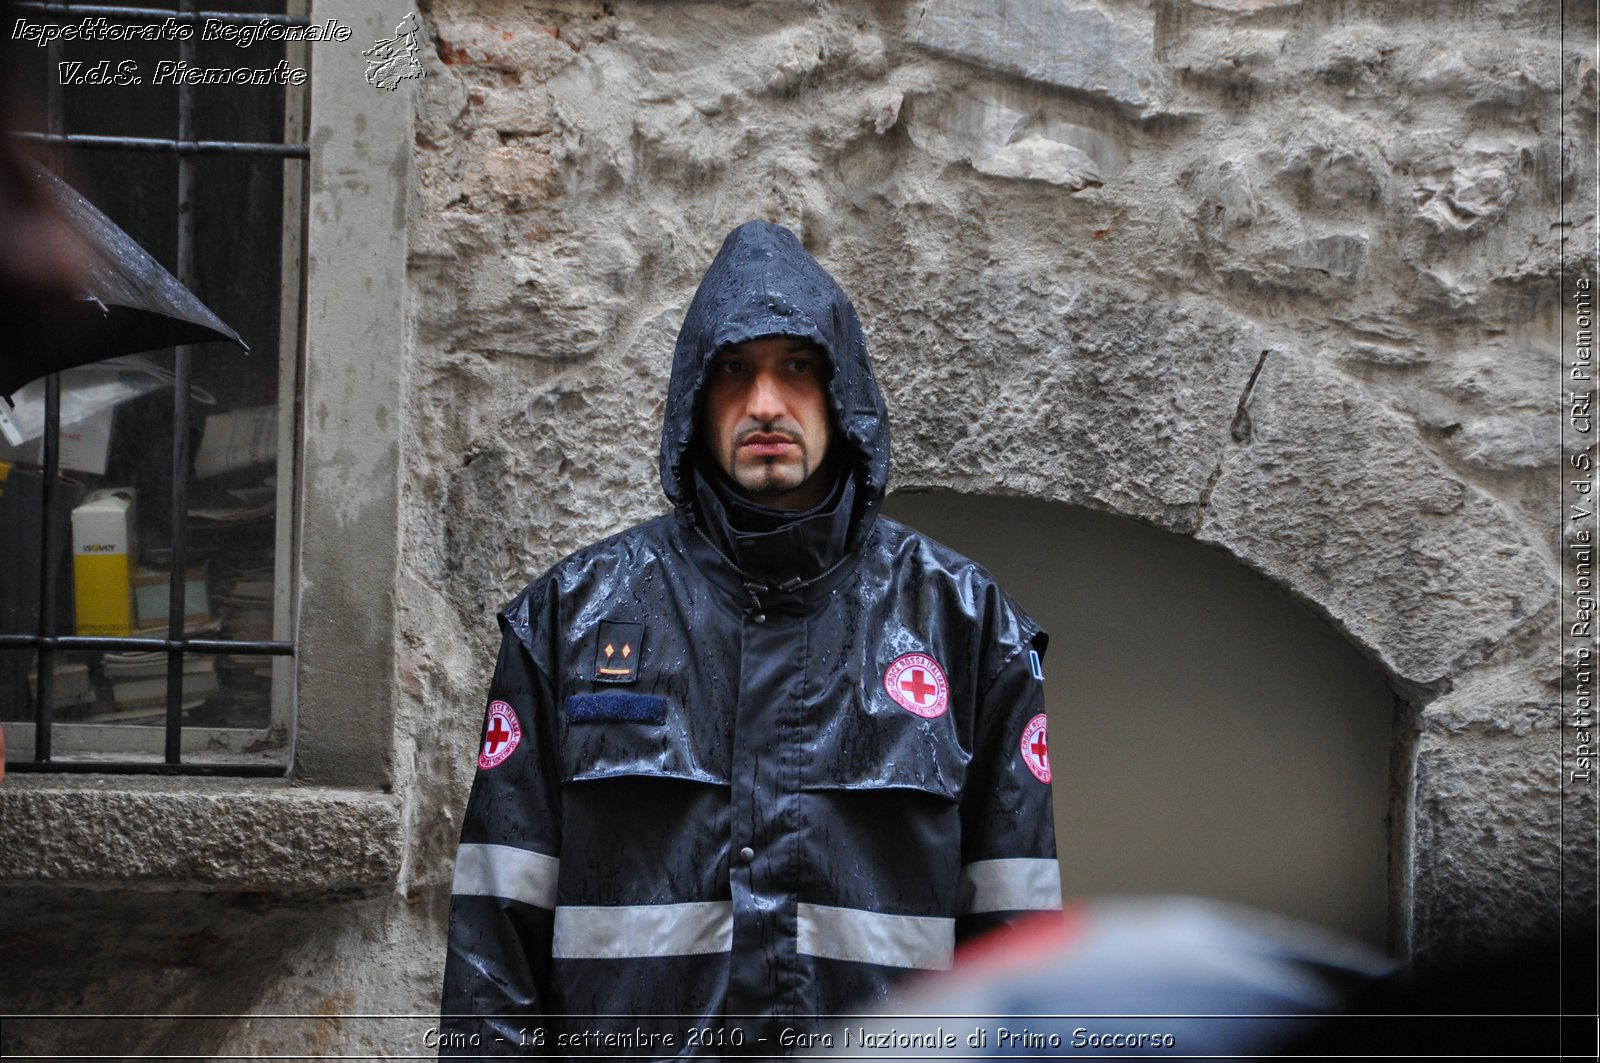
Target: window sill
(197, 834)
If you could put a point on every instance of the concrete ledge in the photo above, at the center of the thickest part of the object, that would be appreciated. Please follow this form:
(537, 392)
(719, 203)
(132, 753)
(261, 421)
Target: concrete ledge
(197, 834)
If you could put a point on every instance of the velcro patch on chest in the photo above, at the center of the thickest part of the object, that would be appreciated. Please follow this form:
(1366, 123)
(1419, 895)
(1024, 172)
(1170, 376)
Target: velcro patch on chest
(617, 707)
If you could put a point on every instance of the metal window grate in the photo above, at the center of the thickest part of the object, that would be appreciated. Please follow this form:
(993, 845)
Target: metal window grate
(45, 641)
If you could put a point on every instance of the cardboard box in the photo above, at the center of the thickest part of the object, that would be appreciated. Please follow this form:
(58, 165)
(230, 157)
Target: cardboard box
(102, 562)
(152, 595)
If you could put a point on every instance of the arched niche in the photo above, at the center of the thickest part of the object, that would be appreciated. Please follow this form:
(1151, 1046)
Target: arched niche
(1209, 734)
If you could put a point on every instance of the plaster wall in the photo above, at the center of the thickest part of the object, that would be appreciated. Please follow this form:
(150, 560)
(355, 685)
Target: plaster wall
(1282, 277)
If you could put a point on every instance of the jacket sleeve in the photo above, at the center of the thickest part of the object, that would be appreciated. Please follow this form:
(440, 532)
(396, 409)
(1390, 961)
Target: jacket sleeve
(497, 968)
(1008, 848)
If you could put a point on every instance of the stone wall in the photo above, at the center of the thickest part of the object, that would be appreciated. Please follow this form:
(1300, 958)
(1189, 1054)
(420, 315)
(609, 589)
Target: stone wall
(1282, 276)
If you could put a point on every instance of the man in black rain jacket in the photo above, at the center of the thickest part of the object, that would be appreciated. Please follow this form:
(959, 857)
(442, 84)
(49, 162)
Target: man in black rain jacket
(748, 764)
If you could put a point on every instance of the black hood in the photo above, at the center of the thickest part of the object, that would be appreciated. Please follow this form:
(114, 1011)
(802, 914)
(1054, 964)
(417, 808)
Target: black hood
(763, 283)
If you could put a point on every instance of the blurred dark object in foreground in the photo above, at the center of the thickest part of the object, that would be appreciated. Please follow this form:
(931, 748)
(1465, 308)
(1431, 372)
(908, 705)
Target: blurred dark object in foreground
(1178, 976)
(1536, 998)
(40, 258)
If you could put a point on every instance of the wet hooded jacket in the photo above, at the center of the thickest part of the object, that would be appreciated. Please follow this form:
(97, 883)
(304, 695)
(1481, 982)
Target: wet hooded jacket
(743, 769)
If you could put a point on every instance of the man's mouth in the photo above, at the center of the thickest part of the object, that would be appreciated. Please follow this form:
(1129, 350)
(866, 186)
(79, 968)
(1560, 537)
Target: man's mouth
(766, 444)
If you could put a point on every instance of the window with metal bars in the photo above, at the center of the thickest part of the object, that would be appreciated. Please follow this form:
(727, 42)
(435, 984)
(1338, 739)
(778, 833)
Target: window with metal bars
(147, 503)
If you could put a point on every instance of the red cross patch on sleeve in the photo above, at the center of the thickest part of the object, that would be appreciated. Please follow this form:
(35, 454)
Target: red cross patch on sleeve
(501, 735)
(1036, 748)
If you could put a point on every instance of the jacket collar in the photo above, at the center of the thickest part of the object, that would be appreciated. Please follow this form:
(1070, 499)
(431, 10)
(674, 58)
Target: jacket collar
(770, 559)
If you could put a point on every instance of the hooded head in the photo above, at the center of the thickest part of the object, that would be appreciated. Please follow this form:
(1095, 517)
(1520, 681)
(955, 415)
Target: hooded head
(764, 284)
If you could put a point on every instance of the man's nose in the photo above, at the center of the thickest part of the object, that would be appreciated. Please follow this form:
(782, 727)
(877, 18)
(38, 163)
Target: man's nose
(766, 398)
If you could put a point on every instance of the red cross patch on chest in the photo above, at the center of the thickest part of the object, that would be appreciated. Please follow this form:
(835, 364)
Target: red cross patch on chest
(917, 684)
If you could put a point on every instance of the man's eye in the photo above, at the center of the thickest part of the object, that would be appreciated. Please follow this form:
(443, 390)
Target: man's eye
(802, 365)
(728, 366)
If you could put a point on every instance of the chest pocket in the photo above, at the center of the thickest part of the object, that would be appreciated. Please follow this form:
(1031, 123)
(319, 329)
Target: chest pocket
(883, 797)
(613, 735)
(880, 747)
(644, 814)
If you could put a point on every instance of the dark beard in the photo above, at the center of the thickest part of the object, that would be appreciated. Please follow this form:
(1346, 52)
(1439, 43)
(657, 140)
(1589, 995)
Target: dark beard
(771, 488)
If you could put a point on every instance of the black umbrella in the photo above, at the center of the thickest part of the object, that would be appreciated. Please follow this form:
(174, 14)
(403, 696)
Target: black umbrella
(126, 301)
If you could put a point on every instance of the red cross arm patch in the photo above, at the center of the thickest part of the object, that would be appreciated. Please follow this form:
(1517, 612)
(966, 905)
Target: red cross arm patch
(501, 735)
(1036, 747)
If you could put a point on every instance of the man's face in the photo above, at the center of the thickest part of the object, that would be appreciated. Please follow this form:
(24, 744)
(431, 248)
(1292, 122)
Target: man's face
(766, 419)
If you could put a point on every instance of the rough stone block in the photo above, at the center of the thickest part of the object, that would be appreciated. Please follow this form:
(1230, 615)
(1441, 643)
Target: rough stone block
(503, 40)
(1056, 42)
(1228, 197)
(1226, 57)
(795, 54)
(1351, 57)
(518, 175)
(1009, 133)
(1327, 265)
(1461, 184)
(1246, 7)
(1332, 175)
(1474, 193)
(1038, 159)
(883, 110)
(1499, 376)
(1486, 843)
(1496, 700)
(1424, 151)
(1099, 361)
(1443, 291)
(518, 111)
(965, 124)
(1446, 72)
(1508, 443)
(1513, 90)
(1341, 256)
(194, 834)
(868, 56)
(1339, 501)
(550, 303)
(574, 460)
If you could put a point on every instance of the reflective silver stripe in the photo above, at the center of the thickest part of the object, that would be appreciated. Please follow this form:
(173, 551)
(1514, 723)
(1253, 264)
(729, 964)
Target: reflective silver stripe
(874, 937)
(506, 871)
(1019, 885)
(618, 932)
